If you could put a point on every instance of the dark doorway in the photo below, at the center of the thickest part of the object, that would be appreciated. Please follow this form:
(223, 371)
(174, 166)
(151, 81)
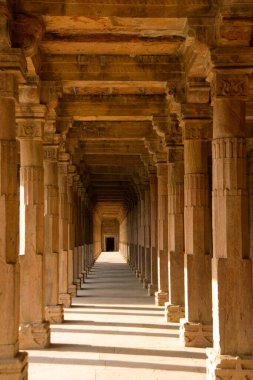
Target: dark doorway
(109, 244)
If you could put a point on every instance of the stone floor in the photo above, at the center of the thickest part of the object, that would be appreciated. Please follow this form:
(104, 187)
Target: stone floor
(114, 331)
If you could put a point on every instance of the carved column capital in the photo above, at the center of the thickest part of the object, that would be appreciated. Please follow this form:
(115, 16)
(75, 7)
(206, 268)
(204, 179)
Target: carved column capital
(51, 153)
(196, 121)
(175, 154)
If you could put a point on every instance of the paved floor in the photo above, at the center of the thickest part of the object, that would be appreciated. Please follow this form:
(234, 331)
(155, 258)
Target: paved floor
(114, 331)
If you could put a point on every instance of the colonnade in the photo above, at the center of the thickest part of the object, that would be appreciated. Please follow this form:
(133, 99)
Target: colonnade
(185, 234)
(45, 258)
(200, 267)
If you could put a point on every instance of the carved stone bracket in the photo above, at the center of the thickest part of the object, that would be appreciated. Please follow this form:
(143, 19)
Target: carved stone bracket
(5, 17)
(26, 33)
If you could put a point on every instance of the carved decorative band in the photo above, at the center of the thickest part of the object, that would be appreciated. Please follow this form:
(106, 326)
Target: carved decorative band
(50, 153)
(197, 130)
(230, 147)
(29, 130)
(176, 198)
(196, 190)
(229, 166)
(230, 86)
(31, 178)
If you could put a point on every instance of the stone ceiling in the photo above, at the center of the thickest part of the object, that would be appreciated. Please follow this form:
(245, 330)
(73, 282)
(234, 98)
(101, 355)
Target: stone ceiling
(112, 74)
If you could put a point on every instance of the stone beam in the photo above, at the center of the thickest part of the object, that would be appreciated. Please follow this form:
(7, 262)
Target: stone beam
(112, 105)
(126, 8)
(110, 68)
(113, 130)
(110, 160)
(110, 44)
(113, 147)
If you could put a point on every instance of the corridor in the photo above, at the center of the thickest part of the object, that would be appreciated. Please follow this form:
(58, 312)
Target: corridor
(114, 331)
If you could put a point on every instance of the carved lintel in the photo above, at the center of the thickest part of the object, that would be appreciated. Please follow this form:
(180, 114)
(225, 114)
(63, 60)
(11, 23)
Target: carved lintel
(225, 367)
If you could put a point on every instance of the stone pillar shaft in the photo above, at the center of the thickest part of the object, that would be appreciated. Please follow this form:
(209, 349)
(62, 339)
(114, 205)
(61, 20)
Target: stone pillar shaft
(154, 234)
(34, 331)
(174, 310)
(162, 175)
(231, 266)
(71, 285)
(196, 331)
(54, 312)
(12, 362)
(147, 279)
(64, 296)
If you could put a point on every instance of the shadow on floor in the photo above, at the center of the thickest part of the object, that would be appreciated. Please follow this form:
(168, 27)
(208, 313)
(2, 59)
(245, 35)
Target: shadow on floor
(63, 347)
(110, 332)
(116, 363)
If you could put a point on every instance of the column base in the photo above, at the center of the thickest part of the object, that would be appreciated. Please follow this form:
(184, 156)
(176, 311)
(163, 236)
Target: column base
(173, 313)
(65, 299)
(14, 368)
(196, 334)
(137, 273)
(77, 283)
(54, 314)
(34, 335)
(72, 290)
(161, 298)
(141, 278)
(84, 273)
(146, 283)
(223, 367)
(152, 289)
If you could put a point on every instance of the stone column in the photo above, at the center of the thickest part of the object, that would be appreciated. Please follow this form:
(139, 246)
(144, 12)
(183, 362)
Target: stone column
(71, 227)
(174, 309)
(81, 261)
(77, 280)
(54, 311)
(153, 286)
(147, 279)
(142, 236)
(232, 353)
(64, 296)
(135, 238)
(34, 330)
(161, 296)
(138, 267)
(196, 329)
(13, 364)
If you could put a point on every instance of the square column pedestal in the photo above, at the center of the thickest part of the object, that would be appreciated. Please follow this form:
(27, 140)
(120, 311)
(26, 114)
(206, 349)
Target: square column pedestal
(14, 368)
